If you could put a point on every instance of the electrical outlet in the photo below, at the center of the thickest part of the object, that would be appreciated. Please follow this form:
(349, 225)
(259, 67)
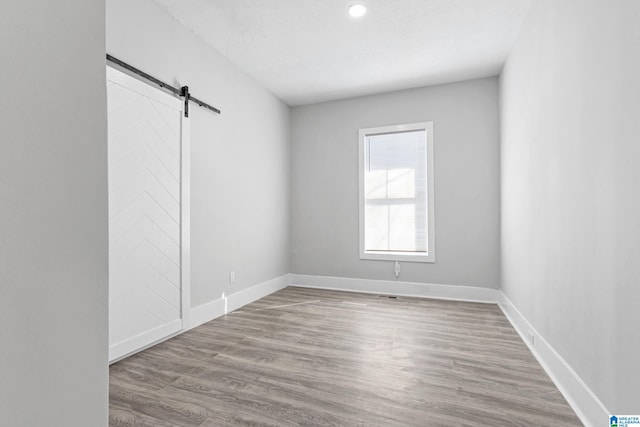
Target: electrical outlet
(396, 269)
(232, 277)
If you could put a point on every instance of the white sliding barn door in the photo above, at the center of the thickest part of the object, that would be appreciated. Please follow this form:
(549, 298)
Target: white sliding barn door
(146, 197)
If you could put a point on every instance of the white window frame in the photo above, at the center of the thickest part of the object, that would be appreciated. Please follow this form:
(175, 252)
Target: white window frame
(430, 255)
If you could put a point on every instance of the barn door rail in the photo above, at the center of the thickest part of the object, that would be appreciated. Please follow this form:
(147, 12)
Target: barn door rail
(182, 92)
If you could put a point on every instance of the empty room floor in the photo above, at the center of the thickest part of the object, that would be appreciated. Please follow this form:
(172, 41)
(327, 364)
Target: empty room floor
(328, 358)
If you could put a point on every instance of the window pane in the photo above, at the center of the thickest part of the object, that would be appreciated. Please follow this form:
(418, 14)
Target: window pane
(402, 227)
(377, 220)
(396, 192)
(401, 183)
(376, 184)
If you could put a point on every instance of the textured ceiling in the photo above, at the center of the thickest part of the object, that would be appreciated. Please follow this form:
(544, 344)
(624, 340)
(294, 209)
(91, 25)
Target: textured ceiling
(308, 51)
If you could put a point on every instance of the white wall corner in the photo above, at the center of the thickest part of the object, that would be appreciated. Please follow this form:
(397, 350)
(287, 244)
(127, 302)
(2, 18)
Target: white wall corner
(389, 287)
(221, 306)
(584, 402)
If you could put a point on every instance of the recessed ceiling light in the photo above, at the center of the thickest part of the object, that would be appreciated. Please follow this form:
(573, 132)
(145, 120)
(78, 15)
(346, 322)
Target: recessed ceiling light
(357, 10)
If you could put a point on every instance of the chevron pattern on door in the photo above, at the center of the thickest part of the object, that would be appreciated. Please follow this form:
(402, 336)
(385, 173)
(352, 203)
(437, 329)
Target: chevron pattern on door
(144, 214)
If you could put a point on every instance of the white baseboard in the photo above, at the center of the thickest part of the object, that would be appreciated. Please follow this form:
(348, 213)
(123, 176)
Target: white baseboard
(216, 308)
(584, 402)
(206, 312)
(407, 289)
(138, 343)
(261, 290)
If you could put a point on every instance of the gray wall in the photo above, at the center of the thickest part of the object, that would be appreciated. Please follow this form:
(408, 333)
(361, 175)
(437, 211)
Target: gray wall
(240, 159)
(53, 211)
(324, 183)
(570, 180)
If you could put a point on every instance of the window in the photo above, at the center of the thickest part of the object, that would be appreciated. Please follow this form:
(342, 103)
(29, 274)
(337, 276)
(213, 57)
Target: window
(396, 193)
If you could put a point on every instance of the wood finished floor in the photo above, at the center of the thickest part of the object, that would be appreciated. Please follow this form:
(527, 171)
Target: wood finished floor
(325, 358)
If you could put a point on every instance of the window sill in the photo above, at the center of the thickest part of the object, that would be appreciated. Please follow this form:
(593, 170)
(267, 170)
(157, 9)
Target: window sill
(398, 256)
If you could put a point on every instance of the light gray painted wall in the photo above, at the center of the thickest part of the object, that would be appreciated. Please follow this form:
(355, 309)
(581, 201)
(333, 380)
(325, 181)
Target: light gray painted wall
(240, 159)
(570, 180)
(53, 211)
(324, 183)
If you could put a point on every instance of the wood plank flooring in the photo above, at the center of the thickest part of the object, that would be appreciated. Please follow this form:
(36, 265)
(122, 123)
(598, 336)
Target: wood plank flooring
(326, 358)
